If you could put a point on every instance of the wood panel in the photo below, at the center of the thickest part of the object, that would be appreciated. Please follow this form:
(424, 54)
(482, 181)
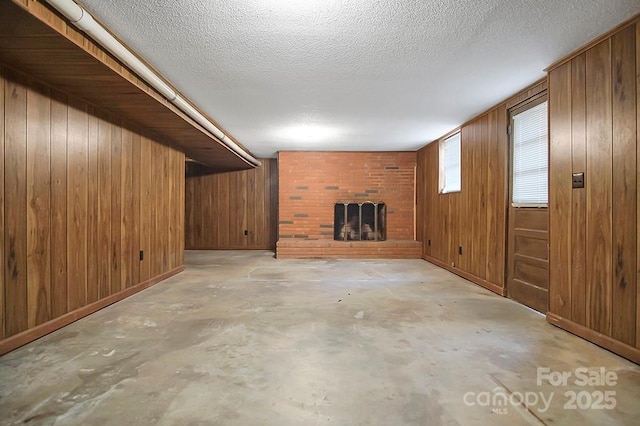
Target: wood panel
(39, 42)
(38, 206)
(2, 223)
(126, 212)
(480, 219)
(15, 174)
(593, 125)
(624, 177)
(93, 244)
(498, 239)
(560, 190)
(599, 189)
(474, 219)
(578, 243)
(637, 185)
(104, 207)
(77, 182)
(134, 234)
(220, 207)
(115, 247)
(59, 146)
(467, 143)
(71, 215)
(146, 212)
(421, 202)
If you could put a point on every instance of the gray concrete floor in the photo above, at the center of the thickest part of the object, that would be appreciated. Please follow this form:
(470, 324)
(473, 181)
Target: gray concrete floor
(241, 338)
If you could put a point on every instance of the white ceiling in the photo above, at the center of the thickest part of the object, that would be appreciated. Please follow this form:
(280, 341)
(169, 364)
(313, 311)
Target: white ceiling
(352, 74)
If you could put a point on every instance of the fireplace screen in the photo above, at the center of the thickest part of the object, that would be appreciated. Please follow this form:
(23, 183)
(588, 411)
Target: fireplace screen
(359, 222)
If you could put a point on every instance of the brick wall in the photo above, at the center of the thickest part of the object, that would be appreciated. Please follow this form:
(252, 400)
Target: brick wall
(311, 182)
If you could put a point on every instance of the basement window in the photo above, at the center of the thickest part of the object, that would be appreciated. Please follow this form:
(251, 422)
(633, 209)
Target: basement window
(530, 157)
(450, 164)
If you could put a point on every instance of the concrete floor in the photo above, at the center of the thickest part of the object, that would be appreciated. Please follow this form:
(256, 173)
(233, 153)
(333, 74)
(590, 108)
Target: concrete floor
(241, 338)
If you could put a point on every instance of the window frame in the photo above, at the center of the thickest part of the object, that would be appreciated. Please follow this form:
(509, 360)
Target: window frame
(518, 109)
(442, 163)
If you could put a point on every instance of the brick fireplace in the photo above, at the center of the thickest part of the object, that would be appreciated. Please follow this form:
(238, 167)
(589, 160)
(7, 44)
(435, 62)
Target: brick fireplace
(310, 185)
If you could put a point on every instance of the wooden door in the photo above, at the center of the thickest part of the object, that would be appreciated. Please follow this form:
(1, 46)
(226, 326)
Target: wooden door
(528, 257)
(528, 230)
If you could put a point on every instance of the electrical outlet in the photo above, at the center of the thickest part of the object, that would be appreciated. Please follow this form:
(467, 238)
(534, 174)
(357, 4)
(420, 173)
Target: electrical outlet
(246, 232)
(141, 255)
(459, 249)
(577, 180)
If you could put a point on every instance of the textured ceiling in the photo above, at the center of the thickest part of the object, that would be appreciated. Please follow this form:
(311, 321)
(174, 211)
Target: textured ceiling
(352, 74)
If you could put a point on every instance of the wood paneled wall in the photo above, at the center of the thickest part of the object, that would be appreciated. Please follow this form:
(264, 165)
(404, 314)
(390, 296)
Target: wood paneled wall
(221, 207)
(594, 117)
(81, 194)
(471, 221)
(465, 231)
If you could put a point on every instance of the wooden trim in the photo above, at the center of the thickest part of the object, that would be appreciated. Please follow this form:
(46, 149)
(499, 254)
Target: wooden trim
(593, 42)
(200, 248)
(606, 342)
(528, 94)
(476, 280)
(32, 334)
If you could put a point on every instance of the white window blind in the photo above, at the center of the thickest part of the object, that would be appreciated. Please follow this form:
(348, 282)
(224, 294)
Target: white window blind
(450, 167)
(530, 156)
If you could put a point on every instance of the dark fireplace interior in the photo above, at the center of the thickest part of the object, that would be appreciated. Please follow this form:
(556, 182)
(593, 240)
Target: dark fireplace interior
(359, 222)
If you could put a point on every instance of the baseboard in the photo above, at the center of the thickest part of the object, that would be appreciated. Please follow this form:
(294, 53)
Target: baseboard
(272, 248)
(615, 346)
(474, 279)
(27, 336)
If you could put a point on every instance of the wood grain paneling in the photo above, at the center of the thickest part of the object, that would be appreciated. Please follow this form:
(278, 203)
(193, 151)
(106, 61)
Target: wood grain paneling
(593, 126)
(135, 208)
(115, 248)
(465, 231)
(637, 186)
(494, 267)
(623, 297)
(126, 211)
(599, 189)
(146, 212)
(15, 174)
(560, 190)
(498, 240)
(104, 207)
(578, 243)
(77, 183)
(70, 196)
(220, 207)
(93, 244)
(59, 146)
(2, 225)
(480, 260)
(39, 42)
(475, 219)
(38, 206)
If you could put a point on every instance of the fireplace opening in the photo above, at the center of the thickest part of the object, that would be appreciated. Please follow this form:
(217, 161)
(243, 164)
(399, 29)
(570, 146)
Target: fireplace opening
(359, 221)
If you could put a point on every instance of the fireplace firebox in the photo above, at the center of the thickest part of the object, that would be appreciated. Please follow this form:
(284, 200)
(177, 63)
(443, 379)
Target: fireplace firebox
(365, 221)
